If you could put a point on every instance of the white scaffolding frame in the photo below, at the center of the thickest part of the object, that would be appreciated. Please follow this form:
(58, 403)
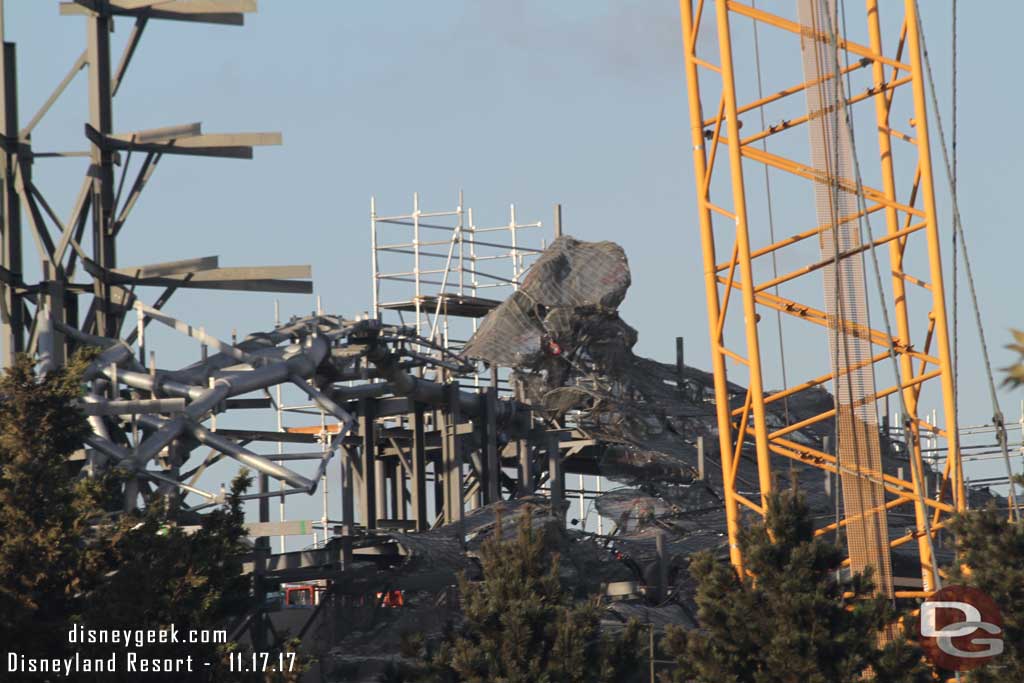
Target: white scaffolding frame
(439, 279)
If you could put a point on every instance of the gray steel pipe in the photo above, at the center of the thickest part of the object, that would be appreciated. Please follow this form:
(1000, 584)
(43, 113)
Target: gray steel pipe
(246, 457)
(229, 448)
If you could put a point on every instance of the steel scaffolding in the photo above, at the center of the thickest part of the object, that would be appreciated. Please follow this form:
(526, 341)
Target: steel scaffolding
(440, 280)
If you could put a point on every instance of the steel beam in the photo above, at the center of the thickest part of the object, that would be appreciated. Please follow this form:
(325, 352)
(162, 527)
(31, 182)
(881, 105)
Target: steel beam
(419, 469)
(12, 318)
(98, 29)
(368, 458)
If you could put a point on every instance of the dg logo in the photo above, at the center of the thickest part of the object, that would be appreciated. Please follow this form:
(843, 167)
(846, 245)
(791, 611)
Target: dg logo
(961, 628)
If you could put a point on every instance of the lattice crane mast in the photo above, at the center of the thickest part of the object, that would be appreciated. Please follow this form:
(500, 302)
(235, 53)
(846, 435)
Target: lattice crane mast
(873, 232)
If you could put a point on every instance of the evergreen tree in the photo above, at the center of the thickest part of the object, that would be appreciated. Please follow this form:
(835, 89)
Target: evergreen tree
(990, 552)
(521, 624)
(160, 575)
(790, 624)
(68, 557)
(44, 514)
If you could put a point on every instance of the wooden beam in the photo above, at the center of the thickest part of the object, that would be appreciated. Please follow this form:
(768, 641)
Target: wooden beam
(257, 279)
(228, 145)
(182, 267)
(225, 12)
(182, 131)
(129, 51)
(79, 64)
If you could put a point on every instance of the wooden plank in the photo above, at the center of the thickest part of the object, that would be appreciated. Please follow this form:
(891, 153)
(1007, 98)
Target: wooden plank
(315, 429)
(296, 527)
(79, 64)
(228, 145)
(231, 140)
(222, 278)
(280, 286)
(185, 130)
(129, 52)
(227, 12)
(189, 6)
(164, 268)
(256, 273)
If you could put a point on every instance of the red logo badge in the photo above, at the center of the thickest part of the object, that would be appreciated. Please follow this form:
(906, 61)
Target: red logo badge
(961, 628)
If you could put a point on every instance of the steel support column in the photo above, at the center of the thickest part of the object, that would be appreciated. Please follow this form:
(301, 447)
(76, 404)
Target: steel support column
(419, 470)
(454, 466)
(99, 27)
(492, 463)
(368, 462)
(12, 313)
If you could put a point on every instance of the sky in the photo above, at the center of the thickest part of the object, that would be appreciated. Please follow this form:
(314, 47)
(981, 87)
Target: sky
(581, 103)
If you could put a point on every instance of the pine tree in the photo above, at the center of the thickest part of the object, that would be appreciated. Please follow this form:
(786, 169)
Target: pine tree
(990, 552)
(521, 625)
(160, 575)
(790, 624)
(44, 565)
(68, 557)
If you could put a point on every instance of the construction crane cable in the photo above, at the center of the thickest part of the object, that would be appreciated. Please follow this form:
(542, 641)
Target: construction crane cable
(997, 416)
(956, 293)
(865, 222)
(771, 219)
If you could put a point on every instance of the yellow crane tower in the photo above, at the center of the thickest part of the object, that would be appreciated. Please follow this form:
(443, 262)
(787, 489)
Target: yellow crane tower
(874, 220)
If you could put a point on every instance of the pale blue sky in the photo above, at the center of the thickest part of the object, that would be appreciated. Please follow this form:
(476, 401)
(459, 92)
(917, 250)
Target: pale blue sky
(531, 102)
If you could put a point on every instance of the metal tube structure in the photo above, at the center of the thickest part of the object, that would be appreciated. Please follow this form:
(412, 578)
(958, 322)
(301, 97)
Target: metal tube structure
(416, 257)
(375, 268)
(401, 390)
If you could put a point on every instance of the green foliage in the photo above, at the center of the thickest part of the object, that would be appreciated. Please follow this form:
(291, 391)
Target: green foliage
(992, 549)
(67, 558)
(43, 561)
(791, 624)
(522, 626)
(175, 577)
(1015, 372)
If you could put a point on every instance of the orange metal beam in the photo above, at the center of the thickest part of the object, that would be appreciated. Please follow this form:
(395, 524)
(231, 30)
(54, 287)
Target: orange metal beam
(743, 242)
(790, 124)
(917, 364)
(794, 27)
(800, 236)
(934, 256)
(700, 167)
